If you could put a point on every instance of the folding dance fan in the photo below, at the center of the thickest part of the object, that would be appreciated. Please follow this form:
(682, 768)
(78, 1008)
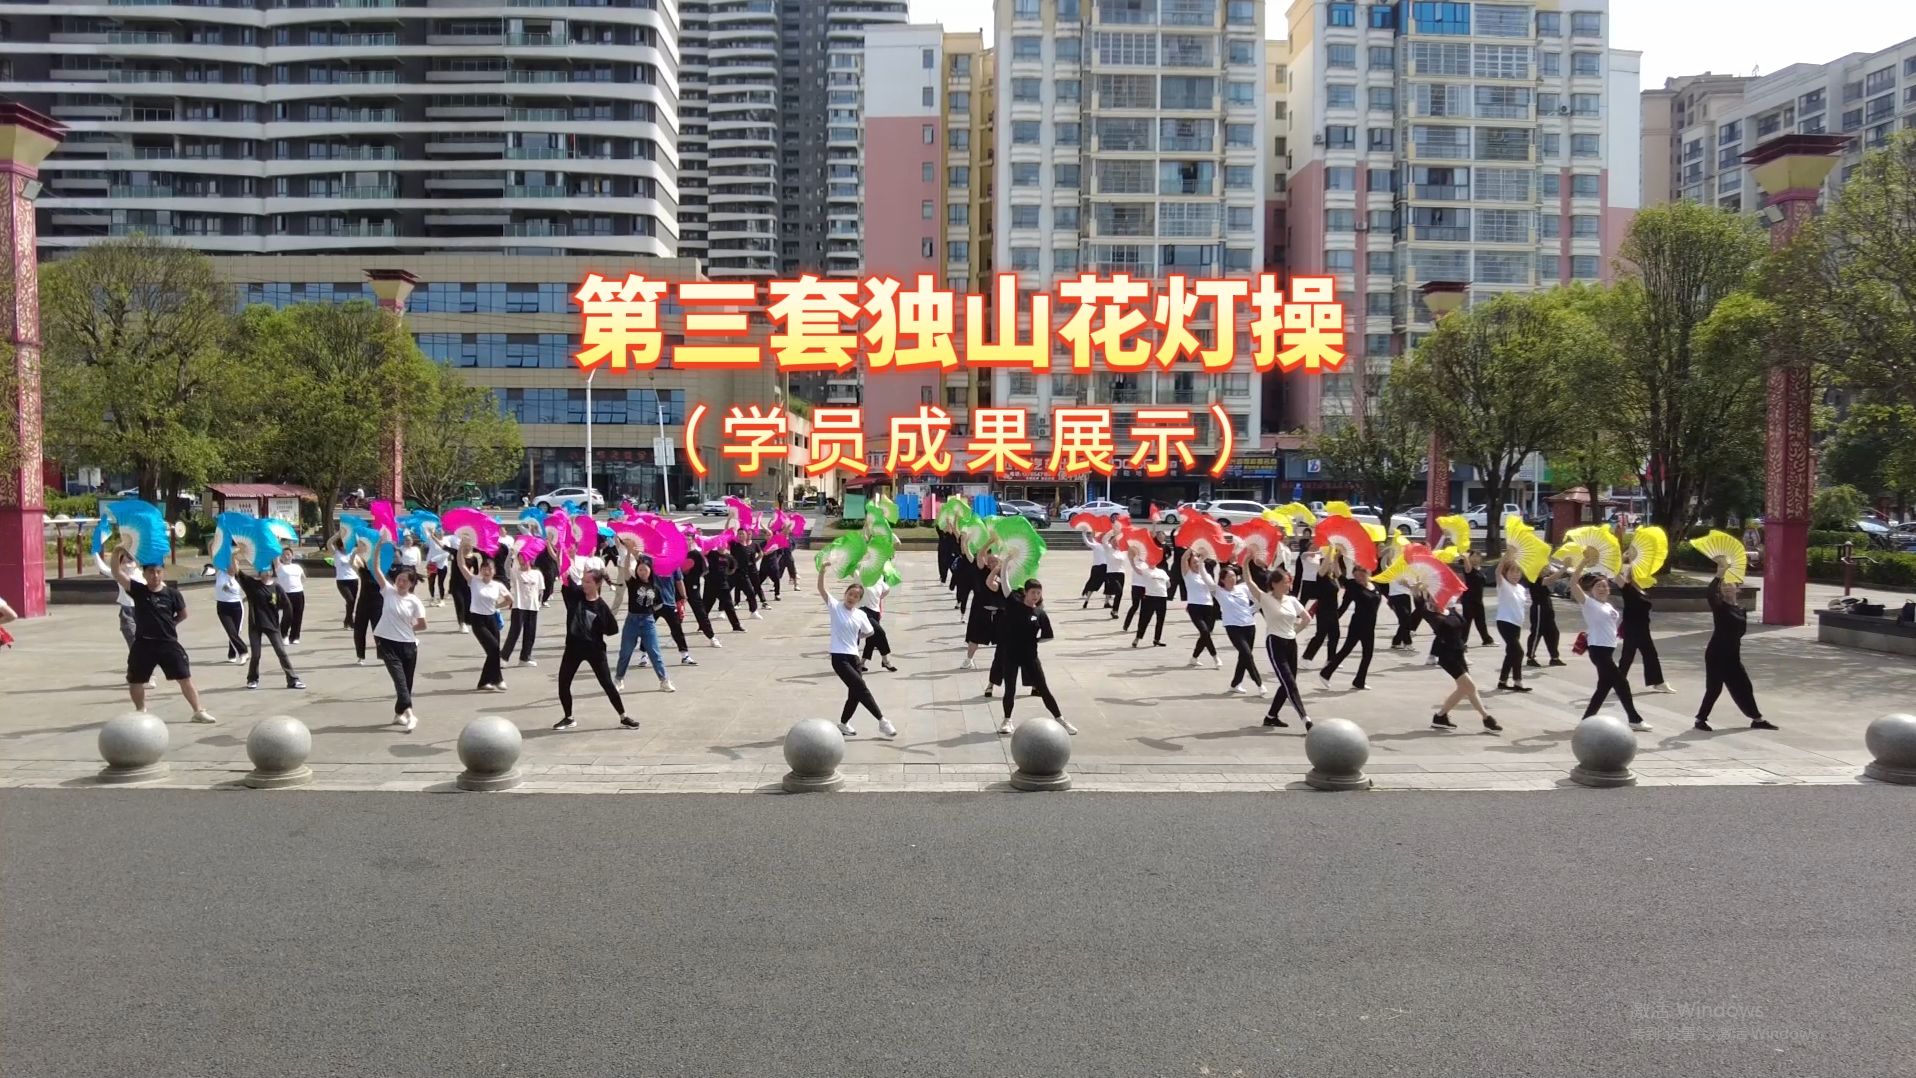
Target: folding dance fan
(529, 548)
(1456, 529)
(1349, 538)
(1138, 546)
(1375, 531)
(1649, 549)
(1258, 540)
(972, 535)
(369, 544)
(1203, 536)
(1728, 547)
(422, 523)
(1297, 513)
(248, 541)
(841, 557)
(142, 530)
(1533, 554)
(667, 546)
(871, 562)
(741, 510)
(956, 511)
(531, 518)
(585, 535)
(385, 521)
(1401, 551)
(283, 531)
(885, 505)
(1279, 521)
(1337, 509)
(1090, 523)
(463, 524)
(1021, 549)
(891, 576)
(1423, 571)
(631, 511)
(1580, 543)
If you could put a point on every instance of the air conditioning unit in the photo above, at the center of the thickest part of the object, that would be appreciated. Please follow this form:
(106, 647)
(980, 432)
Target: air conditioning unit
(1317, 140)
(1361, 227)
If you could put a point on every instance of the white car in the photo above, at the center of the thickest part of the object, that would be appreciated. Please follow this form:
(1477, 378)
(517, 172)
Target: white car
(558, 496)
(1097, 507)
(1231, 511)
(713, 507)
(1401, 523)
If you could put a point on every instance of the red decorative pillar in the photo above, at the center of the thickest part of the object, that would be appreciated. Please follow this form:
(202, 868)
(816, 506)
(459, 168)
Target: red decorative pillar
(392, 288)
(1791, 171)
(1441, 297)
(26, 137)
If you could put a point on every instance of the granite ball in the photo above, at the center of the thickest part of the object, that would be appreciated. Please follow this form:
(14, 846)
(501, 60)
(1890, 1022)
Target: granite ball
(132, 746)
(1604, 745)
(1891, 741)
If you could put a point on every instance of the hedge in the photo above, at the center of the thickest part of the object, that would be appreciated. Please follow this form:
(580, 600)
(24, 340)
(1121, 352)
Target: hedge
(1884, 568)
(847, 524)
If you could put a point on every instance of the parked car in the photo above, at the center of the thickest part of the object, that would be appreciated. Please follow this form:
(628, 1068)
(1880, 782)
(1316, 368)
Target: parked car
(1021, 507)
(558, 496)
(1401, 523)
(506, 497)
(713, 507)
(1233, 511)
(1478, 521)
(1098, 507)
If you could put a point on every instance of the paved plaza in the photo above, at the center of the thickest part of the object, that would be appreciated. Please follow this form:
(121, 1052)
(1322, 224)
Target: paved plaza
(1148, 722)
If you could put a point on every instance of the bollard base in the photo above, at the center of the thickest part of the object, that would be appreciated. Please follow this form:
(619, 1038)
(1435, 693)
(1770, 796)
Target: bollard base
(122, 776)
(795, 783)
(489, 781)
(1882, 772)
(1602, 780)
(1026, 781)
(277, 780)
(1319, 780)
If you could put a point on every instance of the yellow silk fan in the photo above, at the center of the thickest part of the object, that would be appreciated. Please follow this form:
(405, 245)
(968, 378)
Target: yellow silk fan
(1282, 522)
(1295, 513)
(1457, 530)
(1649, 549)
(1395, 558)
(1337, 509)
(1728, 547)
(1529, 548)
(1580, 542)
(1375, 531)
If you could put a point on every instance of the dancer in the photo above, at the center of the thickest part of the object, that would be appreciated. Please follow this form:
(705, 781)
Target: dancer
(344, 578)
(1022, 627)
(770, 569)
(1324, 606)
(718, 585)
(229, 606)
(464, 564)
(1723, 655)
(1239, 612)
(964, 579)
(947, 551)
(691, 578)
(1543, 616)
(158, 609)
(588, 621)
(265, 610)
(487, 597)
(668, 612)
(980, 622)
(1513, 609)
(1199, 606)
(1600, 643)
(402, 617)
(290, 575)
(1636, 635)
(1472, 573)
(1100, 568)
(848, 625)
(1156, 584)
(1401, 604)
(526, 584)
(1452, 630)
(1362, 599)
(1115, 560)
(1283, 616)
(1167, 540)
(744, 578)
(127, 626)
(438, 565)
(366, 605)
(873, 604)
(548, 565)
(1134, 571)
(642, 600)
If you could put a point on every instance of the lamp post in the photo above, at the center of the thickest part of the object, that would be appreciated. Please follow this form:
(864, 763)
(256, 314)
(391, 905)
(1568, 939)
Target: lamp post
(588, 439)
(1791, 171)
(26, 137)
(392, 288)
(1441, 297)
(661, 452)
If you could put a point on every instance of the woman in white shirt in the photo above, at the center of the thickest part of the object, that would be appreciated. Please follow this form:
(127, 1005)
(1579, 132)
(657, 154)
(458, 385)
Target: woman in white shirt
(1284, 615)
(402, 617)
(291, 577)
(345, 578)
(849, 625)
(1157, 589)
(1239, 612)
(127, 624)
(487, 599)
(1100, 566)
(229, 602)
(873, 604)
(1201, 607)
(527, 585)
(1513, 612)
(1600, 621)
(1117, 561)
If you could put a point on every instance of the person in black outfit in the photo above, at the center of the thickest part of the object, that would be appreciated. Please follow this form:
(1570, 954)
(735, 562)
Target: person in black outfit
(744, 580)
(158, 609)
(1022, 627)
(1723, 656)
(1635, 632)
(770, 569)
(983, 618)
(367, 604)
(1324, 594)
(692, 578)
(1452, 630)
(548, 565)
(964, 579)
(588, 621)
(718, 586)
(1173, 558)
(460, 584)
(947, 550)
(265, 608)
(1362, 600)
(1135, 570)
(1475, 580)
(348, 591)
(1543, 618)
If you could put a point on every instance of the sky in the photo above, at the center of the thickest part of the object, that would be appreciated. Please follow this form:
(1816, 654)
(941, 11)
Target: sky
(1676, 37)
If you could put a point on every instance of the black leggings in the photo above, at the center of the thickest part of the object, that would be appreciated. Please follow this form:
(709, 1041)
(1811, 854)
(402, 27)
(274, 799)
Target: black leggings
(695, 602)
(348, 591)
(1137, 599)
(1723, 669)
(846, 667)
(1360, 636)
(1512, 670)
(1326, 636)
(486, 631)
(1093, 583)
(669, 614)
(718, 590)
(1609, 678)
(268, 627)
(1154, 607)
(294, 616)
(1474, 615)
(1543, 627)
(363, 621)
(523, 621)
(1652, 666)
(1406, 621)
(569, 666)
(401, 660)
(461, 597)
(1244, 639)
(230, 615)
(1205, 618)
(1283, 655)
(436, 583)
(1034, 676)
(877, 641)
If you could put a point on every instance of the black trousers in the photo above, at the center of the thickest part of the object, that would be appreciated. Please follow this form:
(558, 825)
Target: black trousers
(1723, 669)
(718, 590)
(1474, 615)
(348, 591)
(1154, 607)
(569, 667)
(746, 584)
(486, 631)
(462, 596)
(400, 659)
(1359, 636)
(1512, 669)
(846, 667)
(1543, 627)
(1244, 639)
(1401, 606)
(1137, 599)
(364, 618)
(1609, 678)
(1326, 636)
(268, 627)
(1205, 618)
(962, 585)
(1283, 655)
(523, 621)
(230, 615)
(436, 582)
(293, 616)
(769, 572)
(1636, 642)
(1093, 583)
(1033, 672)
(877, 641)
(669, 614)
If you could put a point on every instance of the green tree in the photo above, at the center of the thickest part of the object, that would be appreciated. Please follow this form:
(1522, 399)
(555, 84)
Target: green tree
(138, 374)
(1384, 457)
(458, 435)
(1874, 450)
(1594, 457)
(1503, 380)
(342, 376)
(1837, 508)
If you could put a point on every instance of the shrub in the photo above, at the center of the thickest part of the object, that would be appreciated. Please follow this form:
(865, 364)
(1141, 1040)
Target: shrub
(1883, 569)
(847, 524)
(1837, 537)
(1837, 508)
(77, 505)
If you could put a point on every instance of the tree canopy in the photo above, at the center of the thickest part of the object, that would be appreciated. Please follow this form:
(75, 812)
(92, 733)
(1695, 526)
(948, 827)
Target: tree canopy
(458, 435)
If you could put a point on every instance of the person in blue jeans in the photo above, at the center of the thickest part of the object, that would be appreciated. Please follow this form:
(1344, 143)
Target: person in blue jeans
(642, 604)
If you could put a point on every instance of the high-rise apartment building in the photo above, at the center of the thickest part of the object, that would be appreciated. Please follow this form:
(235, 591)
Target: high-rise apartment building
(1492, 144)
(1681, 125)
(314, 126)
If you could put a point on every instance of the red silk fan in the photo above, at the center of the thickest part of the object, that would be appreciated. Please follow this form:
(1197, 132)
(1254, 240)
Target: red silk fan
(1139, 546)
(1437, 580)
(1259, 540)
(1202, 535)
(1350, 539)
(1091, 523)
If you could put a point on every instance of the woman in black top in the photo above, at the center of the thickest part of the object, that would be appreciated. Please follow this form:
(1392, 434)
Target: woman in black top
(1362, 600)
(964, 579)
(1723, 656)
(692, 581)
(1451, 631)
(1635, 631)
(718, 586)
(369, 603)
(1543, 618)
(1021, 627)
(1475, 581)
(588, 621)
(461, 587)
(1324, 594)
(264, 608)
(981, 622)
(744, 570)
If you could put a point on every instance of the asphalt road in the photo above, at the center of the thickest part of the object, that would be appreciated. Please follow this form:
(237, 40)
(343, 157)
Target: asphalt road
(1705, 931)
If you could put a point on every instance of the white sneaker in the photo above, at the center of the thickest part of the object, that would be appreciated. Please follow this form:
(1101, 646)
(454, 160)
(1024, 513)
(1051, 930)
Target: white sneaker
(619, 684)
(717, 643)
(528, 662)
(1068, 728)
(967, 665)
(459, 628)
(1264, 690)
(886, 729)
(411, 721)
(846, 729)
(686, 659)
(235, 660)
(1661, 687)
(501, 687)
(1217, 662)
(1239, 690)
(1004, 727)
(758, 615)
(204, 718)
(1641, 727)
(1430, 660)
(399, 719)
(1193, 663)
(665, 685)
(361, 662)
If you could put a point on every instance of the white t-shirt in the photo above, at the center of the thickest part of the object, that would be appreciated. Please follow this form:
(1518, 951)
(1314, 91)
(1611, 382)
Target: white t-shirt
(528, 587)
(1100, 554)
(1599, 623)
(343, 566)
(1197, 590)
(1307, 569)
(398, 615)
(486, 596)
(1281, 616)
(577, 570)
(1513, 601)
(1235, 604)
(409, 557)
(847, 627)
(1400, 586)
(875, 597)
(436, 554)
(225, 588)
(1157, 582)
(291, 577)
(107, 571)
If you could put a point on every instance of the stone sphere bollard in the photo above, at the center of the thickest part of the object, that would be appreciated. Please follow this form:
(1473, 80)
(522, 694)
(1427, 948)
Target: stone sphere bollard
(489, 747)
(132, 746)
(1337, 750)
(1040, 747)
(813, 750)
(1604, 746)
(278, 747)
(1892, 742)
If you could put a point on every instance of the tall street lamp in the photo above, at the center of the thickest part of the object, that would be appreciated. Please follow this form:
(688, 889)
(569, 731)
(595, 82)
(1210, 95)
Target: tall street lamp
(1441, 297)
(392, 288)
(588, 439)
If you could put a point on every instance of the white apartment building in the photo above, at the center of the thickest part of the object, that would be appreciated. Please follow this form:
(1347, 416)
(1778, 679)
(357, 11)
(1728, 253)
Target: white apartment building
(1681, 125)
(314, 126)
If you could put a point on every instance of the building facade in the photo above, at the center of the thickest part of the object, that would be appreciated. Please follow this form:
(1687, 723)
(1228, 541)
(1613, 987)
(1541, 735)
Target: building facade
(356, 125)
(1493, 144)
(1682, 123)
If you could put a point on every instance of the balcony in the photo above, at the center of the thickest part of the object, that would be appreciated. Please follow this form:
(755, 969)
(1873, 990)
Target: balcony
(546, 191)
(140, 191)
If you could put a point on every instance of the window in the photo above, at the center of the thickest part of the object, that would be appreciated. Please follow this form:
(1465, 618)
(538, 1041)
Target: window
(1503, 267)
(1064, 260)
(1381, 138)
(1731, 132)
(1382, 58)
(1503, 62)
(1340, 220)
(1026, 132)
(1027, 47)
(1064, 218)
(958, 214)
(1584, 146)
(1185, 136)
(1189, 92)
(1503, 226)
(928, 133)
(928, 59)
(1186, 177)
(1240, 136)
(1549, 24)
(927, 209)
(1340, 137)
(1585, 267)
(1439, 58)
(1340, 178)
(1503, 102)
(1438, 99)
(925, 171)
(1238, 219)
(1549, 64)
(1126, 49)
(1550, 185)
(961, 67)
(1240, 93)
(1240, 51)
(1027, 90)
(1024, 216)
(1549, 226)
(1586, 63)
(1808, 105)
(1380, 220)
(1380, 263)
(1239, 177)
(1340, 96)
(1240, 12)
(1341, 14)
(959, 138)
(927, 248)
(1024, 174)
(960, 176)
(1442, 223)
(957, 252)
(1067, 50)
(1852, 91)
(1582, 186)
(1909, 66)
(1127, 91)
(1504, 184)
(1070, 134)
(1340, 261)
(958, 102)
(1377, 304)
(1852, 120)
(1586, 24)
(1503, 144)
(1380, 179)
(1383, 99)
(1340, 56)
(1024, 259)
(1067, 91)
(1383, 16)
(925, 96)
(1549, 146)
(1583, 226)
(1025, 9)
(1502, 20)
(1439, 142)
(1434, 17)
